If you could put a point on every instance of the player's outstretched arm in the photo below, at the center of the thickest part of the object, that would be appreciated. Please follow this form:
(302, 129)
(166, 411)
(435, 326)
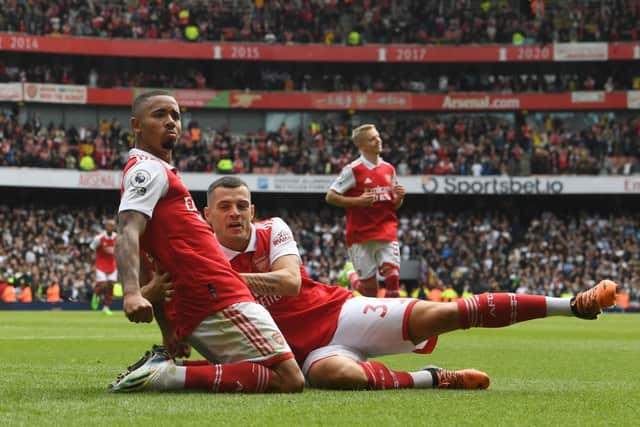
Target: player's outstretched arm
(131, 225)
(284, 278)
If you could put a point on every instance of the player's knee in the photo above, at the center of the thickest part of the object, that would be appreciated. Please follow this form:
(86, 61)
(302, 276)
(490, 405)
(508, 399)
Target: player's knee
(293, 383)
(338, 373)
(288, 377)
(348, 375)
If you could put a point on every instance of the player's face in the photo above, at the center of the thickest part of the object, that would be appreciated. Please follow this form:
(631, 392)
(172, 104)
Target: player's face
(110, 226)
(158, 125)
(230, 212)
(369, 142)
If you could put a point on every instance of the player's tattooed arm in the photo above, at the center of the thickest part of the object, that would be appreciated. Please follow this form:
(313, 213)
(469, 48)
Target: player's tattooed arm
(131, 225)
(284, 278)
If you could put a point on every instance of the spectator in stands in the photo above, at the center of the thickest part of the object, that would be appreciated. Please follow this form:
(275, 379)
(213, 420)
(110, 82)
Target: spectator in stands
(409, 21)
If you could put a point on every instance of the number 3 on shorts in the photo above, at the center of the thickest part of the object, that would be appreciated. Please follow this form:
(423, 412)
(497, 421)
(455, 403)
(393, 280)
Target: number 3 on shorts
(374, 308)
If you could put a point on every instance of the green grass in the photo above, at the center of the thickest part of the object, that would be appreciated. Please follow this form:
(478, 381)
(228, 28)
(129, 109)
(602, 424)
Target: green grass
(550, 372)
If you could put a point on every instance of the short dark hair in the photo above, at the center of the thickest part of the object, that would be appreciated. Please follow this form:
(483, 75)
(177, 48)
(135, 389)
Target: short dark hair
(140, 99)
(225, 182)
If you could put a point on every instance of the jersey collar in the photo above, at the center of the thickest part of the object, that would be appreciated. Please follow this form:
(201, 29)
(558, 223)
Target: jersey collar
(139, 152)
(368, 164)
(251, 247)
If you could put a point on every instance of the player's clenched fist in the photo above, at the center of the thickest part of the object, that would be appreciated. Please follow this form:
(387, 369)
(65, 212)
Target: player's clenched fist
(367, 198)
(137, 308)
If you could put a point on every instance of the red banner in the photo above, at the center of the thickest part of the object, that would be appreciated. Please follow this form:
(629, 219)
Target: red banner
(393, 101)
(109, 96)
(316, 52)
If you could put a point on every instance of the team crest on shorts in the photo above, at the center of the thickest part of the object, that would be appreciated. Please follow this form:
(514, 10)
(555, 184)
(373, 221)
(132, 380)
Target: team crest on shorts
(277, 337)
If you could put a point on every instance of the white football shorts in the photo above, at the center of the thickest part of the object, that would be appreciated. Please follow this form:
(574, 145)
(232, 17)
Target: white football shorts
(369, 257)
(242, 332)
(101, 276)
(371, 327)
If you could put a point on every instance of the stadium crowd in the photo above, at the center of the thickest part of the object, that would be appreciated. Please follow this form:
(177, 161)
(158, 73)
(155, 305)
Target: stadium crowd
(467, 249)
(331, 22)
(480, 144)
(109, 73)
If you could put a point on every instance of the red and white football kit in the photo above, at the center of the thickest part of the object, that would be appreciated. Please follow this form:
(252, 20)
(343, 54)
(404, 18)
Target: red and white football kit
(372, 232)
(104, 245)
(323, 320)
(214, 309)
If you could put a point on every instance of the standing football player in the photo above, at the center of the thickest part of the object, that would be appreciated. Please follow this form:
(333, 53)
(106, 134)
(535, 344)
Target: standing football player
(106, 273)
(368, 190)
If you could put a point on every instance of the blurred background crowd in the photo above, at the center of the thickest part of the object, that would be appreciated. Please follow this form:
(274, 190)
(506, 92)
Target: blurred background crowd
(466, 249)
(479, 144)
(328, 21)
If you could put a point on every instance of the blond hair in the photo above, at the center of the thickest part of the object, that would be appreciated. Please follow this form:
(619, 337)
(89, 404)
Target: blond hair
(355, 134)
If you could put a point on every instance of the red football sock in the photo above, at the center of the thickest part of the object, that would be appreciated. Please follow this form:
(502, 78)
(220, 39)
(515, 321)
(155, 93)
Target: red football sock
(500, 309)
(368, 290)
(245, 377)
(354, 280)
(392, 285)
(391, 275)
(382, 378)
(108, 295)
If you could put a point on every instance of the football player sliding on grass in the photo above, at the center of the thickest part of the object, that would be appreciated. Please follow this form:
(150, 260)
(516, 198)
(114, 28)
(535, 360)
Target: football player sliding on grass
(332, 333)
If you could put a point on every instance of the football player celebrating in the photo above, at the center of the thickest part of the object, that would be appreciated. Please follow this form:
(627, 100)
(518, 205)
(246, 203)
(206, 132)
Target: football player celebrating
(333, 334)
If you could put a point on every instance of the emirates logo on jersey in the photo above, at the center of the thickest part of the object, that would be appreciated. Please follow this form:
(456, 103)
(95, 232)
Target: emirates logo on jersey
(282, 237)
(383, 194)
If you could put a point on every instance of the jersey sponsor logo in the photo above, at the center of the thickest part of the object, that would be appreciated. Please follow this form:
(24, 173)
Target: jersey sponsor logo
(140, 180)
(282, 237)
(383, 194)
(267, 300)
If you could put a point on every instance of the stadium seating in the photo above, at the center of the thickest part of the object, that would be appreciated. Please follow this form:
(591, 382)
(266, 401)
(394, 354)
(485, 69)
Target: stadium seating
(417, 144)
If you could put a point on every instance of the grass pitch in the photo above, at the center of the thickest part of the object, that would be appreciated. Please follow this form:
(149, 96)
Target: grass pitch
(549, 372)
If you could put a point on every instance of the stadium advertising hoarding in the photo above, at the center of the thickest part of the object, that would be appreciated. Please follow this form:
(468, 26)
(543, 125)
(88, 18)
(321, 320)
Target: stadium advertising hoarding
(633, 100)
(11, 92)
(317, 52)
(531, 185)
(55, 94)
(563, 52)
(383, 101)
(193, 98)
(415, 184)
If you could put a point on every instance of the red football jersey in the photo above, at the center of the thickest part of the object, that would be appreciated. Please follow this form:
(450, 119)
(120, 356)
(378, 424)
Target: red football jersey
(180, 242)
(104, 246)
(307, 320)
(380, 221)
